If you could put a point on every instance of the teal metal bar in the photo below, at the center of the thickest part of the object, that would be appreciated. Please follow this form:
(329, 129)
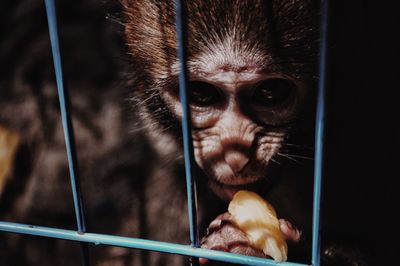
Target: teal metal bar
(186, 127)
(66, 117)
(102, 239)
(67, 125)
(319, 138)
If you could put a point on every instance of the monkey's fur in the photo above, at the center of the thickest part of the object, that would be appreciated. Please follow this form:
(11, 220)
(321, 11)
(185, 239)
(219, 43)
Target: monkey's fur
(128, 137)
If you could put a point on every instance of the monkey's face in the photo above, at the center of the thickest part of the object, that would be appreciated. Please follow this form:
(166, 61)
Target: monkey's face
(240, 116)
(249, 63)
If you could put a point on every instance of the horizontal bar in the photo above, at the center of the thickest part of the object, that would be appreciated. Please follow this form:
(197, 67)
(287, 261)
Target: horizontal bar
(127, 242)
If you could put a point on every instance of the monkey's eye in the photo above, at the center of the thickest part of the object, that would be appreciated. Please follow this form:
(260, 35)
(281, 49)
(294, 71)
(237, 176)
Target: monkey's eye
(272, 92)
(203, 94)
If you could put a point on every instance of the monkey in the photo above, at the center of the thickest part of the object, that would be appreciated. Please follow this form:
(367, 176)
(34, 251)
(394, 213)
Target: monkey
(252, 74)
(249, 80)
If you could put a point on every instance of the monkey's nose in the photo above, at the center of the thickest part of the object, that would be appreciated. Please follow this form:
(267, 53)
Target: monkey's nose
(236, 160)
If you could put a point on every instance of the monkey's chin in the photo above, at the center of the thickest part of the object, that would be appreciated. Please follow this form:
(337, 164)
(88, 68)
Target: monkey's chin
(226, 192)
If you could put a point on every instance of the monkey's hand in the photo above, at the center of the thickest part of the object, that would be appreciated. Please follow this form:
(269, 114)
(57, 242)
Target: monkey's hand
(224, 235)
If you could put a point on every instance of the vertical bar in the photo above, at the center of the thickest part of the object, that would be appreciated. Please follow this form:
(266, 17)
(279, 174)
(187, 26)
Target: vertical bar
(67, 126)
(186, 126)
(319, 136)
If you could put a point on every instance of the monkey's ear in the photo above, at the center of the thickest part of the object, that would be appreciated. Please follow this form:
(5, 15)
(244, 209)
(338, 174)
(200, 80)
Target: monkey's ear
(334, 255)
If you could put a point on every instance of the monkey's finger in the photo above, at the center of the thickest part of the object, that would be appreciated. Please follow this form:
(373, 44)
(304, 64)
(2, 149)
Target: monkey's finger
(290, 233)
(203, 261)
(218, 222)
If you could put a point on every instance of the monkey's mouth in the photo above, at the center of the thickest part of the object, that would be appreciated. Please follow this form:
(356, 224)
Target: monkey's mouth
(226, 192)
(257, 176)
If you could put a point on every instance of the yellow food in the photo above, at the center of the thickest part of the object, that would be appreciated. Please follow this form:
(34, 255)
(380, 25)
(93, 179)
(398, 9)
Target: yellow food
(257, 218)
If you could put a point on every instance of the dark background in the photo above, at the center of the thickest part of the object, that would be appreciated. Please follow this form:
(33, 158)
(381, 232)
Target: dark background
(362, 140)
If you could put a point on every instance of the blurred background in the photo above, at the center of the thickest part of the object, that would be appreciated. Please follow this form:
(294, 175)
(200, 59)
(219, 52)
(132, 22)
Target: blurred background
(362, 140)
(362, 128)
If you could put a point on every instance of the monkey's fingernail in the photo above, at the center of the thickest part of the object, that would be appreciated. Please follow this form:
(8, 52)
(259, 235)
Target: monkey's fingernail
(285, 226)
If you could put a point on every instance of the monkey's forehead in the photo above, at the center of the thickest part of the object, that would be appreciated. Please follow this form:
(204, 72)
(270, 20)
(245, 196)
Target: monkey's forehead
(268, 31)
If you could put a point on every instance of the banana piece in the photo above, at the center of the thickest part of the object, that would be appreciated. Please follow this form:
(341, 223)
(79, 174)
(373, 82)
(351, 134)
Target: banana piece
(257, 218)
